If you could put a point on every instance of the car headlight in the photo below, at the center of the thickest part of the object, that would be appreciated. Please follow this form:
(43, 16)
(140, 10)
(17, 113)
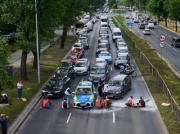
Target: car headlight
(58, 91)
(119, 91)
(43, 91)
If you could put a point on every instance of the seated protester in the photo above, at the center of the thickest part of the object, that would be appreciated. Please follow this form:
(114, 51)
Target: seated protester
(129, 102)
(4, 98)
(141, 102)
(64, 103)
(107, 102)
(99, 103)
(46, 103)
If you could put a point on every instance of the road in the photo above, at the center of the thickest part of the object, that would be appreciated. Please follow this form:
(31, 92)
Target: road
(168, 52)
(117, 119)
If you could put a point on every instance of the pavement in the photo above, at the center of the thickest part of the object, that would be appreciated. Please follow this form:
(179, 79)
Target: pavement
(15, 61)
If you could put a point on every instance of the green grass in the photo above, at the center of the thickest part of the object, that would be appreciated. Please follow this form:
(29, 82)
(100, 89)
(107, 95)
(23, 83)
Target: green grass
(49, 61)
(168, 76)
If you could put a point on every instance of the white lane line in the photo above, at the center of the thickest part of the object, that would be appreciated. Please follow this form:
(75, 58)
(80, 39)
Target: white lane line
(68, 118)
(175, 49)
(111, 68)
(113, 117)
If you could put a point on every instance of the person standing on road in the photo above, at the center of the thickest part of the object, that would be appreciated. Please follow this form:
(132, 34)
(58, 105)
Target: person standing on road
(4, 120)
(19, 89)
(106, 88)
(68, 96)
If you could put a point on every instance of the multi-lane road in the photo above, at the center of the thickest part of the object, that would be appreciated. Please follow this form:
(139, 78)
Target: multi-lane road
(168, 52)
(117, 119)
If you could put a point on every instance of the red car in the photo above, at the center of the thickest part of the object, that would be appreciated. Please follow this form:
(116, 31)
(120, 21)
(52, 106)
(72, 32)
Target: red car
(79, 51)
(73, 57)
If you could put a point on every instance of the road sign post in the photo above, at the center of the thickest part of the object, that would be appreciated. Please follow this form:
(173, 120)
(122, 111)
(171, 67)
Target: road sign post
(162, 42)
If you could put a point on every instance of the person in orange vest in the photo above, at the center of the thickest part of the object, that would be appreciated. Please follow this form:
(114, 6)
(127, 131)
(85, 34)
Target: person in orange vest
(99, 103)
(141, 102)
(107, 102)
(129, 102)
(46, 103)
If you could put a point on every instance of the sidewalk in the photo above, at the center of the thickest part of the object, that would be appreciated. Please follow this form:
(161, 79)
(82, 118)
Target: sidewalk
(15, 61)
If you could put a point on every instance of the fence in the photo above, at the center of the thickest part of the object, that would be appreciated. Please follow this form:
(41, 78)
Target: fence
(155, 73)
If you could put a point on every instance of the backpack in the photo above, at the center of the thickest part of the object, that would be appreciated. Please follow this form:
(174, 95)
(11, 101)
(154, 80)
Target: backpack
(64, 104)
(48, 106)
(143, 103)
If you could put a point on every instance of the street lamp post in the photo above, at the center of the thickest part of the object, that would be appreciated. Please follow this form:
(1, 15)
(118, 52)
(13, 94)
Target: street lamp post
(37, 43)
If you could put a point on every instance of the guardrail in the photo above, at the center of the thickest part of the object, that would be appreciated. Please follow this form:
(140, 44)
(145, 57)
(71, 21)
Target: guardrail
(154, 73)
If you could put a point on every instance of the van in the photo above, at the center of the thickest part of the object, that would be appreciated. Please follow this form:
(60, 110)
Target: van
(151, 25)
(175, 41)
(104, 24)
(116, 33)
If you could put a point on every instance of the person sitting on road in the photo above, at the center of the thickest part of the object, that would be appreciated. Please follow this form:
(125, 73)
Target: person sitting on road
(141, 102)
(129, 102)
(107, 102)
(99, 103)
(46, 103)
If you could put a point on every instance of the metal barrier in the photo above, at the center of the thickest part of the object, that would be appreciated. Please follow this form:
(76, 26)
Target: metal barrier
(154, 73)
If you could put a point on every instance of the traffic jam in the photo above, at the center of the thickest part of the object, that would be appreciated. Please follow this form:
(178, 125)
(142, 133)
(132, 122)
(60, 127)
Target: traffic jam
(99, 72)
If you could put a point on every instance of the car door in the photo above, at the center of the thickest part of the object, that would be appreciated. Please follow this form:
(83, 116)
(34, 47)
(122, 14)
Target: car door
(126, 85)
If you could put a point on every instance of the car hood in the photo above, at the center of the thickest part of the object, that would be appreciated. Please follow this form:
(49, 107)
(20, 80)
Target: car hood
(48, 89)
(94, 76)
(83, 98)
(113, 89)
(120, 61)
(80, 68)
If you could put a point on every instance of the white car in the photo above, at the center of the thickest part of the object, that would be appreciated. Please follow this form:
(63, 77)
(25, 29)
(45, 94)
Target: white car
(127, 16)
(146, 32)
(123, 51)
(121, 45)
(100, 60)
(82, 66)
(151, 25)
(77, 45)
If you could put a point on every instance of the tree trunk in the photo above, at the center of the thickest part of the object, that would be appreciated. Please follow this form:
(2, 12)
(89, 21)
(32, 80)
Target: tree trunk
(166, 22)
(35, 60)
(23, 65)
(176, 25)
(64, 35)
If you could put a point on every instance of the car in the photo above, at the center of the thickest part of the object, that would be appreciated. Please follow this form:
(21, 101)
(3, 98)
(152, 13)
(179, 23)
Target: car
(65, 63)
(141, 26)
(82, 67)
(79, 51)
(100, 60)
(84, 95)
(136, 20)
(123, 51)
(81, 31)
(77, 45)
(121, 45)
(101, 47)
(84, 42)
(73, 57)
(56, 86)
(104, 29)
(119, 85)
(145, 22)
(106, 55)
(127, 16)
(175, 41)
(69, 72)
(105, 41)
(121, 60)
(119, 40)
(103, 37)
(146, 32)
(151, 25)
(103, 33)
(99, 70)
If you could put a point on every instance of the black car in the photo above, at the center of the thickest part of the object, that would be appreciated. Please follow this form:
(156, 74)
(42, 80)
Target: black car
(99, 70)
(119, 85)
(141, 26)
(175, 41)
(56, 86)
(66, 63)
(69, 72)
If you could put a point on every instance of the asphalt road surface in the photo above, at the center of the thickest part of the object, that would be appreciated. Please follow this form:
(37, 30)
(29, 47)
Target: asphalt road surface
(168, 52)
(115, 120)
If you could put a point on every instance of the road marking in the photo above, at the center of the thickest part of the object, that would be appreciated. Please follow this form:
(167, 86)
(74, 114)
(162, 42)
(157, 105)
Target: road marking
(175, 49)
(68, 118)
(111, 68)
(113, 117)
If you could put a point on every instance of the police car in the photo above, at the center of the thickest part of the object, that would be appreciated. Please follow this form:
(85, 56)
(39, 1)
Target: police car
(84, 95)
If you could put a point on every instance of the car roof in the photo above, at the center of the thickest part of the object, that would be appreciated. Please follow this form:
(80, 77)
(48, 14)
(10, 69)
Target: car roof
(104, 52)
(100, 59)
(85, 84)
(122, 54)
(119, 77)
(147, 29)
(99, 65)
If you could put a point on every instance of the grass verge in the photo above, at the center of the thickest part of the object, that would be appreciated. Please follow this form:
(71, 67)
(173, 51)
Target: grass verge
(49, 60)
(169, 77)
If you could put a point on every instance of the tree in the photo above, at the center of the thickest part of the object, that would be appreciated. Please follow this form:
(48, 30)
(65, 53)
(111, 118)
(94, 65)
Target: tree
(111, 3)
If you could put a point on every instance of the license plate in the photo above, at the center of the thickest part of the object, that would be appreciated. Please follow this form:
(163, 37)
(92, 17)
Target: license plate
(49, 95)
(110, 96)
(82, 104)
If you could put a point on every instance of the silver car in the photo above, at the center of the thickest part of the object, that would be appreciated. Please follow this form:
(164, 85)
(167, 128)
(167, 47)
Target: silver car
(82, 66)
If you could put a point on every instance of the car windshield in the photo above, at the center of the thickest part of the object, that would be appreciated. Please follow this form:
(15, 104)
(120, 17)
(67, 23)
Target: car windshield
(62, 71)
(97, 70)
(64, 64)
(123, 51)
(80, 64)
(76, 45)
(115, 83)
(104, 54)
(83, 91)
(121, 45)
(121, 58)
(117, 34)
(52, 83)
(104, 40)
(102, 46)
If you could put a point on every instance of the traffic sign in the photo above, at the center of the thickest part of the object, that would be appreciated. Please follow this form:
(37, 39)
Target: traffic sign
(162, 37)
(130, 24)
(162, 44)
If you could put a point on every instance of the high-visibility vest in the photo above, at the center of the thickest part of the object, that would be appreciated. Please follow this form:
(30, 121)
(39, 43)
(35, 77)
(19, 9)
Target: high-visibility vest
(44, 102)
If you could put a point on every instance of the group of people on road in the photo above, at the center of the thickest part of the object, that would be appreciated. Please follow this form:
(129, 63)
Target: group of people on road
(130, 103)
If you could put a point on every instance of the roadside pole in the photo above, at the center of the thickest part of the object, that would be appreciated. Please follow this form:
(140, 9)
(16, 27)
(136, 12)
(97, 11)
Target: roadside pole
(162, 42)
